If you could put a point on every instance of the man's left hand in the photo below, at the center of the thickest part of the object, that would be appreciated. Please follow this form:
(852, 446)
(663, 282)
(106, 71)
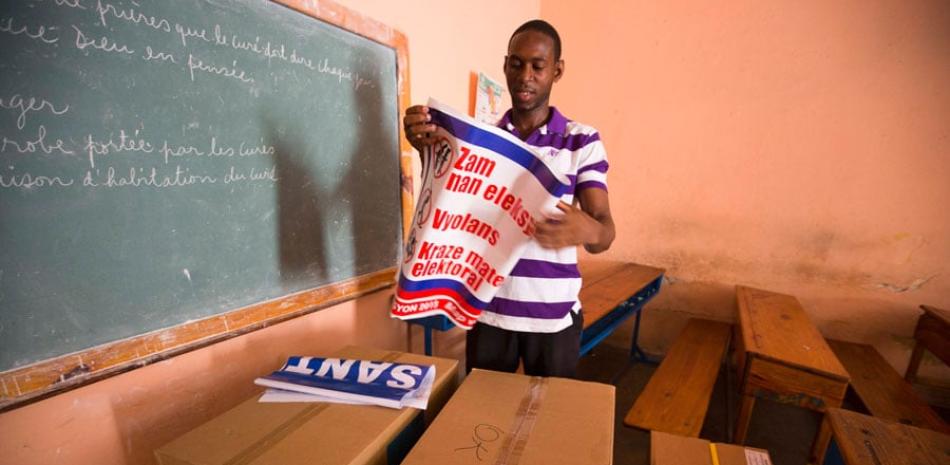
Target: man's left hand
(573, 227)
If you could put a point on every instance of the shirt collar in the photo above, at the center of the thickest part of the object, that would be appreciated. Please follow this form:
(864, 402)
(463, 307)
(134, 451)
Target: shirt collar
(557, 123)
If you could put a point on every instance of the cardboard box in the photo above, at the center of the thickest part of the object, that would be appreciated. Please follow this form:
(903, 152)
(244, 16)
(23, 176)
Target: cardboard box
(256, 433)
(509, 418)
(671, 449)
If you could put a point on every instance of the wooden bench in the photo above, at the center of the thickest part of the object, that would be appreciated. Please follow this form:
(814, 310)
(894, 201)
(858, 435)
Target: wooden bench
(676, 398)
(882, 390)
(932, 333)
(612, 292)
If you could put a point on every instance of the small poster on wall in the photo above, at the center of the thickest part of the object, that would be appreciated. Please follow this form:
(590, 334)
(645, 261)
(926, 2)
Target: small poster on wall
(489, 105)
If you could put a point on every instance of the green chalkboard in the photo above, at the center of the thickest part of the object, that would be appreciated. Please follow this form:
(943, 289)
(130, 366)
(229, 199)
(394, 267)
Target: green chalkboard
(165, 161)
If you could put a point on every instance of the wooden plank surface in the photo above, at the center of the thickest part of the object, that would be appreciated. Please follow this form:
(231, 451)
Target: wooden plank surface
(863, 439)
(676, 398)
(595, 270)
(933, 331)
(776, 327)
(780, 382)
(882, 390)
(609, 283)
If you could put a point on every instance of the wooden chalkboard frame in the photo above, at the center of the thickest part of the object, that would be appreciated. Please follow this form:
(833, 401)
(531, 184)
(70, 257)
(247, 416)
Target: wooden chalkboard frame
(23, 385)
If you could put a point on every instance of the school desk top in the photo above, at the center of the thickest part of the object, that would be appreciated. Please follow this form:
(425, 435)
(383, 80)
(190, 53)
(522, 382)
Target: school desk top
(864, 439)
(775, 327)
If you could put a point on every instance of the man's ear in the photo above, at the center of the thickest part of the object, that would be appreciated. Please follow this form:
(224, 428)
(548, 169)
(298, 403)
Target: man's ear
(558, 70)
(504, 64)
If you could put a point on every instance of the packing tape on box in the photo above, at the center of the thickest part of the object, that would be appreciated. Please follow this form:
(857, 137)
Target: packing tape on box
(264, 444)
(713, 453)
(525, 418)
(273, 438)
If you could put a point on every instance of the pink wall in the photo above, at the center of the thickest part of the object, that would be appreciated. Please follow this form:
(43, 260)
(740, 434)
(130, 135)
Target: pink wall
(801, 147)
(122, 419)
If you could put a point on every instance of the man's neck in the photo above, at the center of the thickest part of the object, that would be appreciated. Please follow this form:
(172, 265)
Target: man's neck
(526, 122)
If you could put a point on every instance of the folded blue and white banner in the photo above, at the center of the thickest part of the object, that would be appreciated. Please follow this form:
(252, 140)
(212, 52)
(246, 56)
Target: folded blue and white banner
(349, 381)
(483, 189)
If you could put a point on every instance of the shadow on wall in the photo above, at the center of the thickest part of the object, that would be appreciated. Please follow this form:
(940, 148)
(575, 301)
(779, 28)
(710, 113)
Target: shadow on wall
(373, 174)
(333, 226)
(300, 232)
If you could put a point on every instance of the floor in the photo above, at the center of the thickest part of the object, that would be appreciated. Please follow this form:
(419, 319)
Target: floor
(786, 432)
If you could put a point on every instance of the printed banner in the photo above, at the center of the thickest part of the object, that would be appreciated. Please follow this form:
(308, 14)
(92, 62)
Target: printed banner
(482, 190)
(313, 379)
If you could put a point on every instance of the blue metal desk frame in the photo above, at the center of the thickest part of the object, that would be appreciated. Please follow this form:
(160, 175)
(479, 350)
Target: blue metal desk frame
(606, 325)
(591, 336)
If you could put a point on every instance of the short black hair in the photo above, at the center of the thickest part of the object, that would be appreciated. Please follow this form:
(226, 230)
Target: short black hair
(543, 27)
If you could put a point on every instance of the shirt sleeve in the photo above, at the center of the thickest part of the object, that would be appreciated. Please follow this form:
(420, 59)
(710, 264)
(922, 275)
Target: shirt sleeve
(592, 165)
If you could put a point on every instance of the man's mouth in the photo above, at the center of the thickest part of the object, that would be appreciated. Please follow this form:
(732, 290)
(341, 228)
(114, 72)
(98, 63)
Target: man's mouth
(524, 94)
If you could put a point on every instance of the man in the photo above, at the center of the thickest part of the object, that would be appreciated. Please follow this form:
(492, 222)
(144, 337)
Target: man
(535, 317)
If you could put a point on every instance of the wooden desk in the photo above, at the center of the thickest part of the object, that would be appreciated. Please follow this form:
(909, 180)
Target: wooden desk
(611, 293)
(933, 334)
(863, 439)
(783, 357)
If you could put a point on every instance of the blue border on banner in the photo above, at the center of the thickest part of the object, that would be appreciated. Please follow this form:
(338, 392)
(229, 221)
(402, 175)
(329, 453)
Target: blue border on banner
(437, 284)
(524, 157)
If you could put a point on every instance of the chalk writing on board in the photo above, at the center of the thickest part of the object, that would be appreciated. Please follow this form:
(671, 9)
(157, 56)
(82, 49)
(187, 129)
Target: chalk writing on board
(40, 144)
(104, 9)
(29, 181)
(67, 3)
(23, 105)
(151, 55)
(254, 174)
(195, 63)
(125, 143)
(270, 50)
(215, 149)
(99, 150)
(218, 36)
(40, 33)
(185, 33)
(265, 48)
(151, 177)
(103, 43)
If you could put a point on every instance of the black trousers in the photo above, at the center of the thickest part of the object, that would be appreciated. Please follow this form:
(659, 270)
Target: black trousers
(543, 354)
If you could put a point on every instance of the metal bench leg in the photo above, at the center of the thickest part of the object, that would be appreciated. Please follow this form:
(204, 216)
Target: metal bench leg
(636, 353)
(428, 340)
(728, 386)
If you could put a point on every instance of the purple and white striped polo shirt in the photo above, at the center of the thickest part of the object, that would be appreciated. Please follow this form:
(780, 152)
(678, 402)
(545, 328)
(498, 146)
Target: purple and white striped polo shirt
(542, 289)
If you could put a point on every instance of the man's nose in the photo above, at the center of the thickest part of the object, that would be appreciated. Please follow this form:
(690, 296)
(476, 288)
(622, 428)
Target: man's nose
(526, 74)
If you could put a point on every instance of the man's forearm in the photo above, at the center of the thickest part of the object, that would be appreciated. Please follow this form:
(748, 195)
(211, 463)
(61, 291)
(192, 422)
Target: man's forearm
(602, 234)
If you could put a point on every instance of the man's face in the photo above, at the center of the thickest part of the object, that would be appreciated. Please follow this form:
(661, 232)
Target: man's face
(531, 70)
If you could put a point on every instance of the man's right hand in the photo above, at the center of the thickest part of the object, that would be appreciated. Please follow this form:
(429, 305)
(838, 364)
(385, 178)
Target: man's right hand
(420, 131)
